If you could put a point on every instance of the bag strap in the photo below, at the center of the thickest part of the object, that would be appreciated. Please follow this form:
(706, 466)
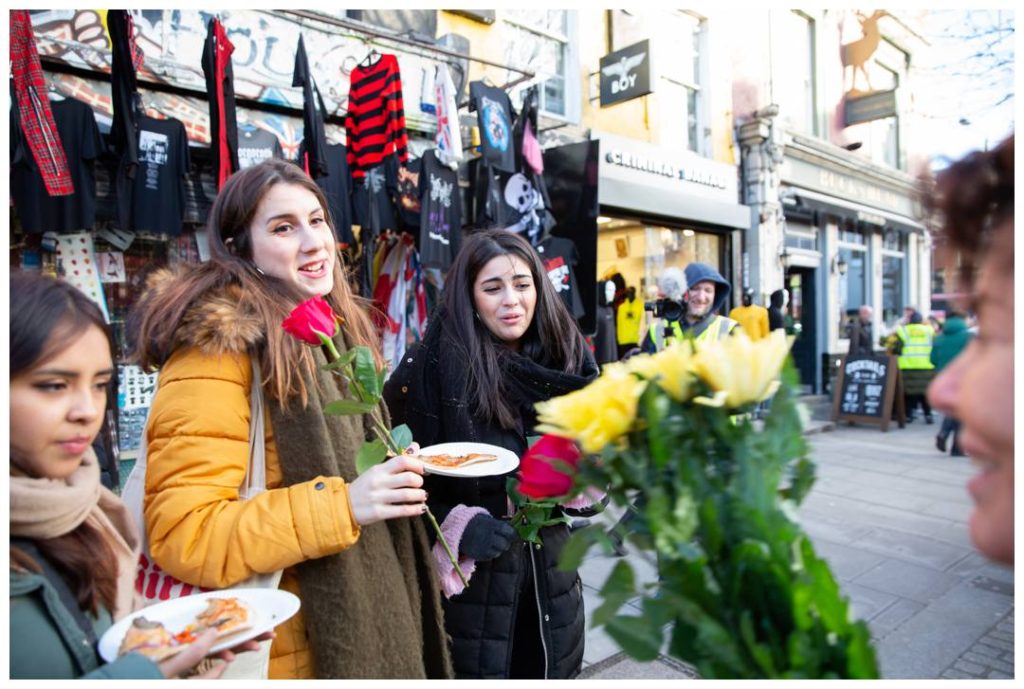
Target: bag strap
(29, 547)
(256, 474)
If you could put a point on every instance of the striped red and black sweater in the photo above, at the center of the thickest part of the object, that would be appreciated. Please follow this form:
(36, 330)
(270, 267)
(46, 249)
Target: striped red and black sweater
(375, 123)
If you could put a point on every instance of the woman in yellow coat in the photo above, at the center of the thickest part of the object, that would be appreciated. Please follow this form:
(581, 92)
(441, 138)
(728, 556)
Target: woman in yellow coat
(353, 547)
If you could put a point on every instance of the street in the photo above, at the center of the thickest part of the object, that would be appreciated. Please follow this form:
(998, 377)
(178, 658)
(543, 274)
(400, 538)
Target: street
(889, 513)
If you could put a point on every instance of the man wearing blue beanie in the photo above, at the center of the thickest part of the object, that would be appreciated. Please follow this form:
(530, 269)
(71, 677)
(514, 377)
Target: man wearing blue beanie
(705, 293)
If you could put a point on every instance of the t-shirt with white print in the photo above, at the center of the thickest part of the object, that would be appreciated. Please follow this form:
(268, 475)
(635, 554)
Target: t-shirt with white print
(440, 213)
(158, 197)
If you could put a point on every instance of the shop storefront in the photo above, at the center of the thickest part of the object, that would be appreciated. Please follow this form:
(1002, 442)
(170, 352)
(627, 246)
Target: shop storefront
(850, 238)
(663, 207)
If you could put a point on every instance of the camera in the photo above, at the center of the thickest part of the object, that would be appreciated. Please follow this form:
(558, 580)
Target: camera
(669, 309)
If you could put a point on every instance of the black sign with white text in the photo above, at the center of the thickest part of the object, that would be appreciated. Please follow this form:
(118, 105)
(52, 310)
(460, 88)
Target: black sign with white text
(869, 390)
(626, 74)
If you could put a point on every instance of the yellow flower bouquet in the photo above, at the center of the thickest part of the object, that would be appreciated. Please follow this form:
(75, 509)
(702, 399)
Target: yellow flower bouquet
(740, 589)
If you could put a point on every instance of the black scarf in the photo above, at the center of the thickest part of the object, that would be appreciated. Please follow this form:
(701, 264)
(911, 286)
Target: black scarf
(373, 610)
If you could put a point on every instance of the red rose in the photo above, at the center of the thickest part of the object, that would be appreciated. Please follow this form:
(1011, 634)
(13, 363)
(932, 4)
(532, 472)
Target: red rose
(311, 316)
(541, 472)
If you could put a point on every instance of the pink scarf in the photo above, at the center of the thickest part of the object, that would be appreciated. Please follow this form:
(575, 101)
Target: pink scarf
(46, 508)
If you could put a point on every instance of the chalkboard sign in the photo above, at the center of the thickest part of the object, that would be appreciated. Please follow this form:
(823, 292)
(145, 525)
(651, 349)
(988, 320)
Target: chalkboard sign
(869, 389)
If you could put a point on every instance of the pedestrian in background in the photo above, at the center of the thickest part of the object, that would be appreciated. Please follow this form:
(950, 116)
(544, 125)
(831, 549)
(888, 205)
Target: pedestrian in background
(975, 197)
(948, 346)
(776, 307)
(915, 363)
(862, 341)
(73, 546)
(751, 316)
(351, 546)
(500, 342)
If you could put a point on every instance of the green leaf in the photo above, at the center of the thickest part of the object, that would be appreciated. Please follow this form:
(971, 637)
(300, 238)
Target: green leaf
(637, 636)
(348, 407)
(344, 360)
(371, 453)
(618, 588)
(402, 436)
(575, 549)
(367, 375)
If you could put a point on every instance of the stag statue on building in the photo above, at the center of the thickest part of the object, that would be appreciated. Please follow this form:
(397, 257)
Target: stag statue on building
(857, 53)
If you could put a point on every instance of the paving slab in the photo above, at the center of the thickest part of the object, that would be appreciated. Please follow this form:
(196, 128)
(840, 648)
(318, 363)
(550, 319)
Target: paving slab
(907, 580)
(925, 645)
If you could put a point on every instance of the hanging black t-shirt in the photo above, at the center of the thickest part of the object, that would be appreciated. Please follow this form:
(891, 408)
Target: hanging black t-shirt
(39, 212)
(559, 256)
(441, 214)
(372, 204)
(257, 145)
(158, 198)
(408, 199)
(495, 112)
(335, 185)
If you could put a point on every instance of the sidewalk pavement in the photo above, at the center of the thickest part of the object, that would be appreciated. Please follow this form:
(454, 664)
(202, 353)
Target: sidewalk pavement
(889, 513)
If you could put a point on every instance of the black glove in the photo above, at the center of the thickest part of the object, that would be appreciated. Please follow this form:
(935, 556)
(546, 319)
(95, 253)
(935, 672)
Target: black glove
(485, 537)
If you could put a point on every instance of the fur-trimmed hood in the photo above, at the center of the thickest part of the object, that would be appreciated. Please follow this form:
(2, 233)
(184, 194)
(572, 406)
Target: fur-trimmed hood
(219, 321)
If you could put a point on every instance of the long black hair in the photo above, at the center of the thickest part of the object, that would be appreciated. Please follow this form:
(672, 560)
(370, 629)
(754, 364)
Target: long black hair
(47, 316)
(552, 339)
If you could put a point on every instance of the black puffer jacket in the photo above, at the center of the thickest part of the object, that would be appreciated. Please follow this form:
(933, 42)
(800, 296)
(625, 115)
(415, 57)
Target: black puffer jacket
(427, 392)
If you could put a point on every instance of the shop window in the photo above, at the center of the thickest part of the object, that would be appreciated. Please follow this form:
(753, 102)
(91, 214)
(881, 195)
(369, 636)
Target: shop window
(793, 66)
(641, 252)
(894, 248)
(892, 289)
(538, 40)
(852, 236)
(853, 285)
(801, 236)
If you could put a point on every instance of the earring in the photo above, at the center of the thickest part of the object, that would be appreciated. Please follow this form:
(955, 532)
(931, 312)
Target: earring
(258, 269)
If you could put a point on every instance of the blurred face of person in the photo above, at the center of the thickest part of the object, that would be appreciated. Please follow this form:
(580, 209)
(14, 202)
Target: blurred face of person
(699, 299)
(865, 314)
(977, 389)
(292, 241)
(57, 407)
(505, 296)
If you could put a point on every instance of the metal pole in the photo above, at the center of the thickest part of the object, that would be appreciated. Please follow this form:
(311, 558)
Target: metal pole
(359, 28)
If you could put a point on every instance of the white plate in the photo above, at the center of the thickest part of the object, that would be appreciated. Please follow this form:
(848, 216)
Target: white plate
(506, 461)
(270, 607)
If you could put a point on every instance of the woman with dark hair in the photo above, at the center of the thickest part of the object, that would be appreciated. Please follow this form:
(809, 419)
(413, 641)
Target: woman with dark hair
(500, 341)
(73, 544)
(370, 608)
(975, 198)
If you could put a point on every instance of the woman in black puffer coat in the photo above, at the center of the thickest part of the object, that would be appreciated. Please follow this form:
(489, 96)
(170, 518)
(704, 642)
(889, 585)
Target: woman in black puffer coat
(501, 341)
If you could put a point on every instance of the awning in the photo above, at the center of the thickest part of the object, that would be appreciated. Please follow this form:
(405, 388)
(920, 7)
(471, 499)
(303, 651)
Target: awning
(858, 211)
(650, 199)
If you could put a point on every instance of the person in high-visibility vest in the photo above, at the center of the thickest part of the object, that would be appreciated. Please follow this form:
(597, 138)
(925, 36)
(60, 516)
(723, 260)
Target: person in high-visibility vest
(915, 364)
(706, 291)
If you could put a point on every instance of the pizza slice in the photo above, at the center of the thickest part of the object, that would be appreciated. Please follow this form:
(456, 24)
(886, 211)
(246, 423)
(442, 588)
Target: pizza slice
(150, 639)
(457, 461)
(226, 615)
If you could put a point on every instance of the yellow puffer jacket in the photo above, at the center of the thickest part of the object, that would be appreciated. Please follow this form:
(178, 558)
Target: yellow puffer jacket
(198, 529)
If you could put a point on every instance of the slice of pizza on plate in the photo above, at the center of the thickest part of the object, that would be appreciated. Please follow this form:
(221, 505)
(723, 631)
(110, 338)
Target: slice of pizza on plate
(150, 639)
(450, 461)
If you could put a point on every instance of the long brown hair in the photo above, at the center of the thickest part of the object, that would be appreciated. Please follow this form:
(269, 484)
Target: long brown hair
(47, 316)
(283, 360)
(973, 198)
(552, 339)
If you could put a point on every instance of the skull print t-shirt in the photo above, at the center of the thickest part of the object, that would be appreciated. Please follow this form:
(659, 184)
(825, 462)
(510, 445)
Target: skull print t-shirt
(494, 109)
(440, 213)
(559, 256)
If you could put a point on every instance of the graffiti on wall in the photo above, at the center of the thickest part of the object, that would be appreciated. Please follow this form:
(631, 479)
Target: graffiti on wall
(263, 61)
